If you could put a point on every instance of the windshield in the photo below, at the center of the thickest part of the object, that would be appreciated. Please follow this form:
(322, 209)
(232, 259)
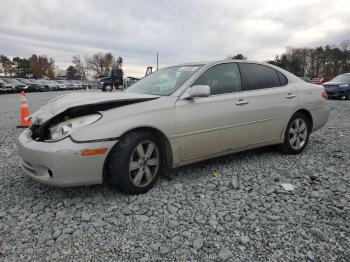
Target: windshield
(342, 78)
(163, 82)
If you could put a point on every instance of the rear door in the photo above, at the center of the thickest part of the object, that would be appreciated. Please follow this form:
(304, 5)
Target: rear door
(270, 100)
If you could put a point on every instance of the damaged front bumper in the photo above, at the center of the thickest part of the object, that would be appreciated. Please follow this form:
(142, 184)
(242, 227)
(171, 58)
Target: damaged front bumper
(61, 163)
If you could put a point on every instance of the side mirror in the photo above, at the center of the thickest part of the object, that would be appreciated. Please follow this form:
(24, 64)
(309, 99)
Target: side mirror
(197, 91)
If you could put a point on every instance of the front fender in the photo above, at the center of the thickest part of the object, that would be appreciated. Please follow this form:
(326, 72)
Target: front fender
(158, 114)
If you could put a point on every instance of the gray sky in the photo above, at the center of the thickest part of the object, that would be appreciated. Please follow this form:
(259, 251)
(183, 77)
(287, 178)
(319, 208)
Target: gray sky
(180, 30)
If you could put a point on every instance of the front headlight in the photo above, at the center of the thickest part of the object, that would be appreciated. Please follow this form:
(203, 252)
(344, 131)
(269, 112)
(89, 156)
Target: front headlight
(344, 85)
(64, 129)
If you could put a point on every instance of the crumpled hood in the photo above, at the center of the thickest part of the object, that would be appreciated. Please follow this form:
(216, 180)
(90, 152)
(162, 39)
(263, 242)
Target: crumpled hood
(64, 102)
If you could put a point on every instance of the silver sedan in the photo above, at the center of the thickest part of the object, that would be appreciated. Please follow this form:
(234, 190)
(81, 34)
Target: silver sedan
(175, 116)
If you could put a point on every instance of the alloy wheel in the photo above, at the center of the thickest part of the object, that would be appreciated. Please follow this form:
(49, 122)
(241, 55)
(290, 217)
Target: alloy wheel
(298, 133)
(144, 163)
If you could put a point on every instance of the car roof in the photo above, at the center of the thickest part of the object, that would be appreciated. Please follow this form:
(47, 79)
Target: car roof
(208, 63)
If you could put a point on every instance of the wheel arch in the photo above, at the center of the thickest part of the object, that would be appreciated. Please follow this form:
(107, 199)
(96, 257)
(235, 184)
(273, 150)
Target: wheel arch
(308, 115)
(164, 143)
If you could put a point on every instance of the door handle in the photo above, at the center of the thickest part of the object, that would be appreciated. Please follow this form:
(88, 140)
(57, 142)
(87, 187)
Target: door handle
(241, 102)
(290, 96)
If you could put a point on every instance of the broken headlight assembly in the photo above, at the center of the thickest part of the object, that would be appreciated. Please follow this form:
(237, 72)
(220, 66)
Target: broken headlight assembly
(64, 129)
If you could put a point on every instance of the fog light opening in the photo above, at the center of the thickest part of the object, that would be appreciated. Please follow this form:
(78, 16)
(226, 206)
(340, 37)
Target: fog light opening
(50, 173)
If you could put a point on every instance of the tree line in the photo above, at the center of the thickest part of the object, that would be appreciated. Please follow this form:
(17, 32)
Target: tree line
(36, 66)
(41, 66)
(318, 62)
(327, 61)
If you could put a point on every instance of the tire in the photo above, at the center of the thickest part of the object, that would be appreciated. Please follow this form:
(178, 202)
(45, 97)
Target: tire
(130, 171)
(301, 134)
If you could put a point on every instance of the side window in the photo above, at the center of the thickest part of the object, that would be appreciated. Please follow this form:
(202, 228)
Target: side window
(222, 79)
(283, 79)
(255, 76)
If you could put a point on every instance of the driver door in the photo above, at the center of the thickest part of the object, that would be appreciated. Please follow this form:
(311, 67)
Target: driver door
(211, 125)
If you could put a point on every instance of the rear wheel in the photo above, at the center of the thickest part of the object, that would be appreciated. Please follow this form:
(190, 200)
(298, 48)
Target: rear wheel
(134, 163)
(296, 135)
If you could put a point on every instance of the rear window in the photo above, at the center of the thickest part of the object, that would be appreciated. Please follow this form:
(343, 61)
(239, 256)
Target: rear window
(255, 76)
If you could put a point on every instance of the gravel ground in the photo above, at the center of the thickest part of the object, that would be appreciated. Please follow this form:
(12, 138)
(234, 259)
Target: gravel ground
(243, 213)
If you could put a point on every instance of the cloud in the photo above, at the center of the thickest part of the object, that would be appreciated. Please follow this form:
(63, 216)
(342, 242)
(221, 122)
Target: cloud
(179, 30)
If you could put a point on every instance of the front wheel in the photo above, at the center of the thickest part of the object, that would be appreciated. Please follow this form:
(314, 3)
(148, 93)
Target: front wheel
(134, 163)
(296, 135)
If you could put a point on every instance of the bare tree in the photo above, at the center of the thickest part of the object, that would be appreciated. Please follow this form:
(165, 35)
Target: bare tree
(80, 66)
(100, 64)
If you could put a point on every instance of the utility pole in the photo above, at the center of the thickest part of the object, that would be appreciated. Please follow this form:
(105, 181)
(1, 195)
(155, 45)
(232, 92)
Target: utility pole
(157, 61)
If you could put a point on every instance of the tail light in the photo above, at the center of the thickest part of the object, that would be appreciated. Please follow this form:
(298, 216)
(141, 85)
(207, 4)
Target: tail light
(324, 94)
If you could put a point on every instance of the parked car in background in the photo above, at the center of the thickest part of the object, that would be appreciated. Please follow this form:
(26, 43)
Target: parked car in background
(17, 85)
(69, 86)
(33, 85)
(26, 82)
(320, 81)
(79, 83)
(76, 85)
(91, 84)
(2, 87)
(306, 79)
(60, 86)
(6, 87)
(175, 116)
(338, 87)
(38, 86)
(50, 86)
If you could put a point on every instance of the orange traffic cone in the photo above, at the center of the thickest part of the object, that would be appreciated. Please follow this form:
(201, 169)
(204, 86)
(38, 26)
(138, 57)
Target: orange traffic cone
(25, 113)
